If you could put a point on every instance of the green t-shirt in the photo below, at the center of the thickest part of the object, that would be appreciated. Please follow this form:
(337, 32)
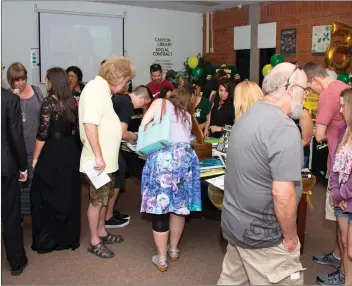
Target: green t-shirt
(202, 110)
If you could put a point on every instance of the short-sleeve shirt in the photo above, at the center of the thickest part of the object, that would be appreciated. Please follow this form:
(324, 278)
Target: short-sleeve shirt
(156, 88)
(328, 113)
(202, 110)
(123, 107)
(95, 107)
(265, 146)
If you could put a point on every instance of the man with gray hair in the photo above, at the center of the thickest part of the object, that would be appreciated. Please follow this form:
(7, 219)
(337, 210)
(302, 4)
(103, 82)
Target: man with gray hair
(263, 186)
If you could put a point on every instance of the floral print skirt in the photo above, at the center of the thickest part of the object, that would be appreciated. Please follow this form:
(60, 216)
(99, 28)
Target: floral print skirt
(171, 181)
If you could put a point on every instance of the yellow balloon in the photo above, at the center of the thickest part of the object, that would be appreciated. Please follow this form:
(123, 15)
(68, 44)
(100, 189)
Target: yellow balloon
(267, 69)
(192, 62)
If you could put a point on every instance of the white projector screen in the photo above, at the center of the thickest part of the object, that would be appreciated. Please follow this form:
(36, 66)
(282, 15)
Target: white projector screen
(78, 40)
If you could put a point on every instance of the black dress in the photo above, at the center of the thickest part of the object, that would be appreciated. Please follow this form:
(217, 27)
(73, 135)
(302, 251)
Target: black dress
(55, 192)
(225, 115)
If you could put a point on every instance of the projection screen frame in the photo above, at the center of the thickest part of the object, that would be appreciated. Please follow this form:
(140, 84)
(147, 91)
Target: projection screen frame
(123, 16)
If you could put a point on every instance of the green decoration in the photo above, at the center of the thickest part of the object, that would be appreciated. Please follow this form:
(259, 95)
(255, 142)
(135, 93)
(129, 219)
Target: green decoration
(344, 77)
(231, 71)
(276, 59)
(198, 72)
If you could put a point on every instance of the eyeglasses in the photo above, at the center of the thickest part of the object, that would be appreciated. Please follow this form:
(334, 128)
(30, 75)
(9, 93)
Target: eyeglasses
(306, 90)
(288, 80)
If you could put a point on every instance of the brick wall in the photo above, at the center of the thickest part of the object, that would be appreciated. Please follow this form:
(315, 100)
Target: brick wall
(224, 22)
(301, 15)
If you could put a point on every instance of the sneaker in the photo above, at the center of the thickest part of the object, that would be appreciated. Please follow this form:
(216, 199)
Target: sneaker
(114, 223)
(327, 259)
(119, 215)
(335, 278)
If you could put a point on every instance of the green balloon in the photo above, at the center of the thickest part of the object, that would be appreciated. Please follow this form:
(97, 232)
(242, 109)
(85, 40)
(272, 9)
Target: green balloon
(344, 77)
(198, 72)
(276, 59)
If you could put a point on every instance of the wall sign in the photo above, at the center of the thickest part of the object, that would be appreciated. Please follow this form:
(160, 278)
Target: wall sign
(163, 53)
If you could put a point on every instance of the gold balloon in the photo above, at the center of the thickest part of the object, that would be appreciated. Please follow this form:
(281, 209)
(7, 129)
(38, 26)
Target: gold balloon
(339, 47)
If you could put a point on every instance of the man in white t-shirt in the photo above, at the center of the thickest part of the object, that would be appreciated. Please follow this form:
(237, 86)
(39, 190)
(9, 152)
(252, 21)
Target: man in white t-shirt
(100, 132)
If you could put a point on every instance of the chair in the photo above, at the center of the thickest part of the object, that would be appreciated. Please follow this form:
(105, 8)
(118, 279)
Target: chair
(308, 184)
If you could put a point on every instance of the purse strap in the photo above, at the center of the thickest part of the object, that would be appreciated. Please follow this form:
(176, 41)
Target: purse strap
(163, 109)
(162, 112)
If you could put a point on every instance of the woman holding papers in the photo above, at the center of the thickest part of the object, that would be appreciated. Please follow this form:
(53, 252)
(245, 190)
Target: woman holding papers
(55, 192)
(171, 179)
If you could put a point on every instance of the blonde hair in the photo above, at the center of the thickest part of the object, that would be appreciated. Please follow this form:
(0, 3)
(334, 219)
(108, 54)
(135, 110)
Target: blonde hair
(116, 69)
(16, 71)
(246, 94)
(347, 101)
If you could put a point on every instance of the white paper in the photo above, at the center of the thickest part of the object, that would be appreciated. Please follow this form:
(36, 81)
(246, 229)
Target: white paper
(97, 180)
(132, 146)
(217, 182)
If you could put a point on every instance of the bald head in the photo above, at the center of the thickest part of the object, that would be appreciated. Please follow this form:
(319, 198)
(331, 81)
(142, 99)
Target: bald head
(281, 75)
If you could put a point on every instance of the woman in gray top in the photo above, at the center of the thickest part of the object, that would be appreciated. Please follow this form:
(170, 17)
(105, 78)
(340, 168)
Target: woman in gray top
(31, 99)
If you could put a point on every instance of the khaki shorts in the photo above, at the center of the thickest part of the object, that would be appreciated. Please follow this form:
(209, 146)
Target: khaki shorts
(265, 266)
(103, 194)
(329, 208)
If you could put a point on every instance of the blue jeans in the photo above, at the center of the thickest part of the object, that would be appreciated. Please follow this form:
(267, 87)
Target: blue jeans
(305, 161)
(340, 213)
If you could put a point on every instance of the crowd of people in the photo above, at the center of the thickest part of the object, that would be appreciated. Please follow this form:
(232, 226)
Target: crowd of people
(47, 141)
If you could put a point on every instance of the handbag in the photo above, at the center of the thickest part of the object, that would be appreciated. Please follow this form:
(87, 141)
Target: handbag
(156, 135)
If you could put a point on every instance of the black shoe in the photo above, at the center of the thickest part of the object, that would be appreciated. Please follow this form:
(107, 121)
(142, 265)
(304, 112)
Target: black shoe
(20, 270)
(115, 223)
(118, 215)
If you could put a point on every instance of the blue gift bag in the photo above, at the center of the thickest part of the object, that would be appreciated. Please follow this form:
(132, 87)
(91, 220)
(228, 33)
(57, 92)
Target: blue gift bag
(155, 135)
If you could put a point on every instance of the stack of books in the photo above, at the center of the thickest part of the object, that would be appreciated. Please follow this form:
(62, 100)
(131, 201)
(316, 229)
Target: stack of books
(211, 167)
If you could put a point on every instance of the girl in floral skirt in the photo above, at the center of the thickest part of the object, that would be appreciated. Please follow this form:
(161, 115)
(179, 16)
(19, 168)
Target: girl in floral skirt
(341, 189)
(171, 179)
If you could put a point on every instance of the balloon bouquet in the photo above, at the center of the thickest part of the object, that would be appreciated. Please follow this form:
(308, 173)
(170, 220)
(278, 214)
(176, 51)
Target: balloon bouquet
(197, 71)
(274, 60)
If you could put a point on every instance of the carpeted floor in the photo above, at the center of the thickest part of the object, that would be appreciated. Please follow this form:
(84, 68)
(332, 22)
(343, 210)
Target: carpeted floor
(202, 251)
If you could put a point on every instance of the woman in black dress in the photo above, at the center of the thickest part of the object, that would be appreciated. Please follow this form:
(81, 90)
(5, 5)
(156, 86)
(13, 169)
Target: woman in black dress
(222, 112)
(55, 192)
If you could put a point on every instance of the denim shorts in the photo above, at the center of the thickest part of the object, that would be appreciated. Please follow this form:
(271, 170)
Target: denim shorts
(340, 213)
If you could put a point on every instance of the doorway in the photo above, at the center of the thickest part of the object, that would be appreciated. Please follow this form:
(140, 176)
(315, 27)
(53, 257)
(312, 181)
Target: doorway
(264, 59)
(243, 63)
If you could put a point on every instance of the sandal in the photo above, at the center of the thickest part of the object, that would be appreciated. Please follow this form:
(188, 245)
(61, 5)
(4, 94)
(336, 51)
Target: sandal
(171, 251)
(158, 263)
(100, 250)
(111, 239)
